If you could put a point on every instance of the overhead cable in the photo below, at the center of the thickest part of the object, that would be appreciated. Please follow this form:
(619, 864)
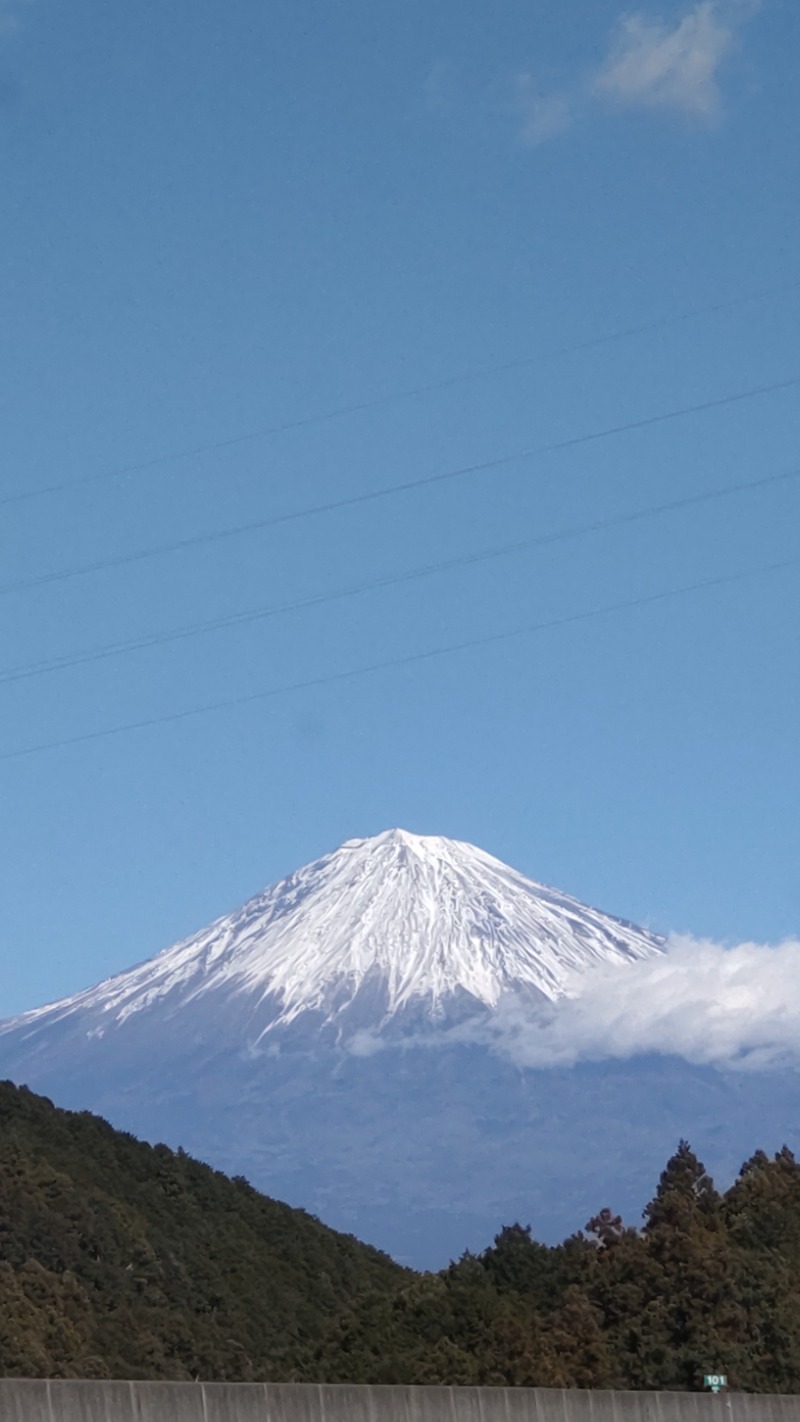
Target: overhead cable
(396, 396)
(237, 619)
(393, 663)
(202, 540)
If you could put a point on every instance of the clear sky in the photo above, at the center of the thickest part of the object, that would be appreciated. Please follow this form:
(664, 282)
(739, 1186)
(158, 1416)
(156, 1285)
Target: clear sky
(547, 221)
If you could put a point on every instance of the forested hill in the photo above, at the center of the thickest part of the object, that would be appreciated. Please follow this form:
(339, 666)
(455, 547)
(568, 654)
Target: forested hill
(709, 1283)
(122, 1259)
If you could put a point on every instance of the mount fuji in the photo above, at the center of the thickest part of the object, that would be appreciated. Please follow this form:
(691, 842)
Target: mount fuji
(330, 1040)
(398, 924)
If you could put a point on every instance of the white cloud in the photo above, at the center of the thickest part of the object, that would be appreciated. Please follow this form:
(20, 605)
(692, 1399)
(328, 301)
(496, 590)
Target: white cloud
(651, 63)
(731, 1007)
(712, 1005)
(658, 65)
(544, 116)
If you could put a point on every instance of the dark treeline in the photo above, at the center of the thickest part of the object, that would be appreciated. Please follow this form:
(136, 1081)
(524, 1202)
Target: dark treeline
(118, 1259)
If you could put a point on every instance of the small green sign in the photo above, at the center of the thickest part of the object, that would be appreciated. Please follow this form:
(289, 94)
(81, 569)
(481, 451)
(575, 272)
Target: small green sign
(714, 1382)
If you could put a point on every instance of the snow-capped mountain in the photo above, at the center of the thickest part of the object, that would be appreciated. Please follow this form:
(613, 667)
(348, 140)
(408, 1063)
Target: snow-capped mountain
(387, 923)
(334, 1040)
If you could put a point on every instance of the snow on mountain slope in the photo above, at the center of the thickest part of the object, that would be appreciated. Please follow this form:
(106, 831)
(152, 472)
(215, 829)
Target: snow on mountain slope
(399, 918)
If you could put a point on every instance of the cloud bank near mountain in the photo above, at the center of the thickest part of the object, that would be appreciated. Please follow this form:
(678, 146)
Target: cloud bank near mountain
(712, 1005)
(727, 1007)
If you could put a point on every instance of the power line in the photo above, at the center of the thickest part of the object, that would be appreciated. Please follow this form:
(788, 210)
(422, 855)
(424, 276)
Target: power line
(392, 663)
(396, 396)
(237, 619)
(407, 486)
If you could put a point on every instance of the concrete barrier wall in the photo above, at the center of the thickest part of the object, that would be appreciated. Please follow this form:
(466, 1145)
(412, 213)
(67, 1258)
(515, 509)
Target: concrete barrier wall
(300, 1402)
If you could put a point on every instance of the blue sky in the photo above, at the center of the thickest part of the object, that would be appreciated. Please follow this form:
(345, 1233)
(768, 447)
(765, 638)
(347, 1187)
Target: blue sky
(249, 218)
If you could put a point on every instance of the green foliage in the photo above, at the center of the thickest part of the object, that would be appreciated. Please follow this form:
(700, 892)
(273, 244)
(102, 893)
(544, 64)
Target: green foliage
(118, 1259)
(125, 1260)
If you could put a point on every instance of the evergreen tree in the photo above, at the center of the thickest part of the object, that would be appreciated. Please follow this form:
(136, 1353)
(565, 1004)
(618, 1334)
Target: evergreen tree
(762, 1213)
(694, 1320)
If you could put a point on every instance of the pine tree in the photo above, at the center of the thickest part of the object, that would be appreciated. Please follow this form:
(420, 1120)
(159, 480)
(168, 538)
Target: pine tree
(694, 1322)
(762, 1213)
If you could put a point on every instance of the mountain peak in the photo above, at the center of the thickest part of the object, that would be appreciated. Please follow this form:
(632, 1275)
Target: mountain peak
(387, 922)
(424, 845)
